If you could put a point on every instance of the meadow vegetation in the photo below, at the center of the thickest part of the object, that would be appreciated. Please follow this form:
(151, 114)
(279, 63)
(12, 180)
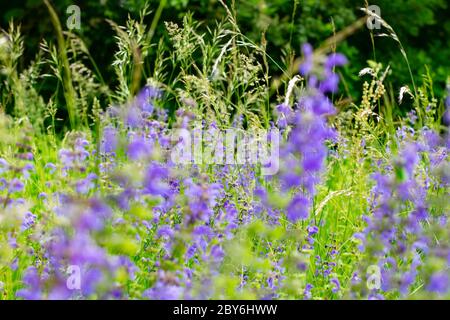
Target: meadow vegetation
(93, 205)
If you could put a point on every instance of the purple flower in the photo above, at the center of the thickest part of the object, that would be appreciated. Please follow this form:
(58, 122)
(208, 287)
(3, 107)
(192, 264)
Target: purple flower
(336, 285)
(4, 166)
(164, 292)
(410, 157)
(29, 167)
(330, 83)
(110, 139)
(28, 221)
(85, 185)
(407, 281)
(51, 167)
(25, 156)
(145, 98)
(15, 264)
(15, 185)
(298, 208)
(191, 251)
(307, 292)
(312, 230)
(134, 117)
(155, 180)
(139, 148)
(89, 280)
(307, 65)
(376, 296)
(202, 199)
(439, 283)
(202, 231)
(355, 279)
(165, 288)
(217, 253)
(32, 281)
(335, 60)
(165, 231)
(88, 216)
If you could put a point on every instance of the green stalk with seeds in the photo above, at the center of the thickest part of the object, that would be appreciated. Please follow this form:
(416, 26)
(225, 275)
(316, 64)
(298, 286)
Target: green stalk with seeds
(69, 92)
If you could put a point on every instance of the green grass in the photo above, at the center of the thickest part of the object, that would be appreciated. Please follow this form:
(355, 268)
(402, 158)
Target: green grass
(218, 76)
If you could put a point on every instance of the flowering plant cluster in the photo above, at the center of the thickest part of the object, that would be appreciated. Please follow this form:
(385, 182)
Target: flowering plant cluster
(112, 216)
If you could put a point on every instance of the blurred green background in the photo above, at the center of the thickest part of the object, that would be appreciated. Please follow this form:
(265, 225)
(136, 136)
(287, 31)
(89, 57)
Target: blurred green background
(422, 26)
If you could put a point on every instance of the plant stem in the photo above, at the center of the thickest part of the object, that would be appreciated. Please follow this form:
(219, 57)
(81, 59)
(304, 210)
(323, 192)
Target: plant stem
(69, 92)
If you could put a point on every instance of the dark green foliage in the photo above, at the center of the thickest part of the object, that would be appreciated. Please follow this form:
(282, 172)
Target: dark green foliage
(422, 26)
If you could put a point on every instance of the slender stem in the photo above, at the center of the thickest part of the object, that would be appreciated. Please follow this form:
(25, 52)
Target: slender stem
(156, 18)
(69, 92)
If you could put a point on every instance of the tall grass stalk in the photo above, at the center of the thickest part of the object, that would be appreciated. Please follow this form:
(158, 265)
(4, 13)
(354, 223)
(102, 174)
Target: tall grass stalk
(69, 92)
